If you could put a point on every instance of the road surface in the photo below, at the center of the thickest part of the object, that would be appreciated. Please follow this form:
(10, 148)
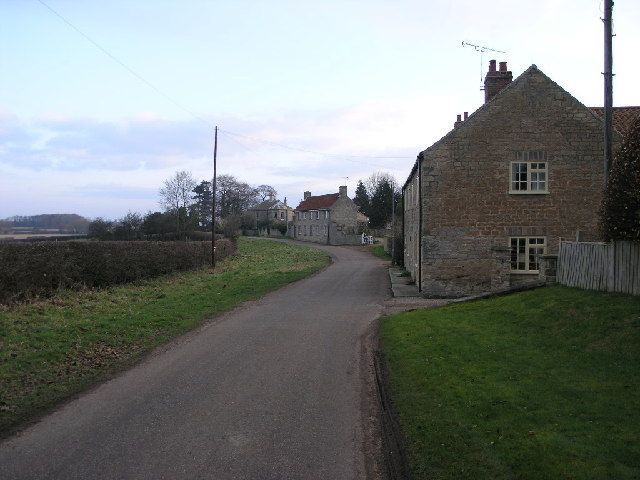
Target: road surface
(280, 388)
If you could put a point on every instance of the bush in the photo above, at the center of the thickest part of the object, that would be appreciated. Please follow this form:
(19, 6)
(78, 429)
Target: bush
(40, 269)
(621, 205)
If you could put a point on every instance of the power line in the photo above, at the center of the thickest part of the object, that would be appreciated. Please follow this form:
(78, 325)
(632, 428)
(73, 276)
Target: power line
(360, 160)
(200, 118)
(314, 152)
(124, 65)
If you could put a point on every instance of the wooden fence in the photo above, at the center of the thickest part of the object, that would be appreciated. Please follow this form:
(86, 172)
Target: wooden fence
(612, 267)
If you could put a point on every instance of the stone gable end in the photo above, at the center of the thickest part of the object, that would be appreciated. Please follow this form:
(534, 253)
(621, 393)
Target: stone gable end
(469, 213)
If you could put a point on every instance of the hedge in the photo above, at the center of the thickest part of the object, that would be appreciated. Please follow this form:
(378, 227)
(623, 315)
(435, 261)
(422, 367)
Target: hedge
(29, 270)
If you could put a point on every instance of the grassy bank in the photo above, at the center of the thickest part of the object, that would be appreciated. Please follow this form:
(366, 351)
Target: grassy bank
(52, 349)
(543, 384)
(378, 251)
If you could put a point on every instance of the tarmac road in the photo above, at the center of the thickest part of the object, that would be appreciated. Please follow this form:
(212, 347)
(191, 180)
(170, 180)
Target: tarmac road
(281, 388)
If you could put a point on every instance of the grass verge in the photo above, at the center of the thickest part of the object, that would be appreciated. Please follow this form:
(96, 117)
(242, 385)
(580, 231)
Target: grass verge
(536, 385)
(52, 349)
(378, 251)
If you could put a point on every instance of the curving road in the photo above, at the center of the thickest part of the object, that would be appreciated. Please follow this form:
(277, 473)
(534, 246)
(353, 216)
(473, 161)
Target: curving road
(280, 388)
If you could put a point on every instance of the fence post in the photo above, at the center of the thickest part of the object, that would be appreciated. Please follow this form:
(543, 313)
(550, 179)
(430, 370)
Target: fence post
(611, 260)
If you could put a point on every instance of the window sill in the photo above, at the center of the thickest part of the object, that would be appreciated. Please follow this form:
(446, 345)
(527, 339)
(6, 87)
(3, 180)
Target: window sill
(519, 192)
(524, 272)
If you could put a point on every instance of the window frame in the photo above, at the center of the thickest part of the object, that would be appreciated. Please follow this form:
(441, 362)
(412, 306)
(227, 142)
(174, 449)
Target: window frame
(527, 254)
(529, 191)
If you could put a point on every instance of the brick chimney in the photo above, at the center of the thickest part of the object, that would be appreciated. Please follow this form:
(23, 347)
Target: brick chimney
(460, 120)
(496, 80)
(307, 195)
(342, 191)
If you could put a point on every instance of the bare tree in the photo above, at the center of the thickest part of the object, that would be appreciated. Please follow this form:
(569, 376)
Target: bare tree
(233, 196)
(265, 191)
(175, 195)
(376, 179)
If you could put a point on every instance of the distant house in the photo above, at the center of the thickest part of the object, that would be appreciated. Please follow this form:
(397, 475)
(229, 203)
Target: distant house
(331, 219)
(270, 213)
(502, 188)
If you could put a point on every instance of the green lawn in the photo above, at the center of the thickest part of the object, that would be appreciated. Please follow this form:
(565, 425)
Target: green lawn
(543, 384)
(54, 348)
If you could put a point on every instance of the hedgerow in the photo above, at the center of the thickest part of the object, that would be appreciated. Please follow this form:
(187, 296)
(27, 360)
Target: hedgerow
(29, 270)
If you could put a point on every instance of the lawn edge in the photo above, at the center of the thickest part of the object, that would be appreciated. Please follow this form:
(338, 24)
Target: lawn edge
(394, 441)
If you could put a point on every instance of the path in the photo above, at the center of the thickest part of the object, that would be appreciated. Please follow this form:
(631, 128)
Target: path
(277, 389)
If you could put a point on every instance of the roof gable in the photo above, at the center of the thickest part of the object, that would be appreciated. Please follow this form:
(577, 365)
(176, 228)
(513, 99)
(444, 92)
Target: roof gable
(270, 205)
(319, 202)
(479, 114)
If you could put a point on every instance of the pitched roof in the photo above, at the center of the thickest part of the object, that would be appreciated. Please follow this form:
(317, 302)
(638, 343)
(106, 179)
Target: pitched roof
(271, 205)
(623, 117)
(266, 205)
(533, 69)
(318, 202)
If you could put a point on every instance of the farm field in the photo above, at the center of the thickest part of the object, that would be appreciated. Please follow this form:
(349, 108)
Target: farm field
(542, 384)
(53, 348)
(24, 236)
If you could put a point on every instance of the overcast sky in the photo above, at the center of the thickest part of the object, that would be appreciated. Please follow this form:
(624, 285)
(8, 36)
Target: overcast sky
(346, 84)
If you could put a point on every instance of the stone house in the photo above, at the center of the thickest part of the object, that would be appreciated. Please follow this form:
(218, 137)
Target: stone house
(503, 187)
(331, 219)
(272, 212)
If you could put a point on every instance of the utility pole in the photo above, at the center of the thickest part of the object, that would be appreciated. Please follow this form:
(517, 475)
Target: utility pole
(608, 89)
(213, 202)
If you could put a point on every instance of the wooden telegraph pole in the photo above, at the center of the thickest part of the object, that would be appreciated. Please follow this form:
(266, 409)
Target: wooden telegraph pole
(213, 202)
(608, 89)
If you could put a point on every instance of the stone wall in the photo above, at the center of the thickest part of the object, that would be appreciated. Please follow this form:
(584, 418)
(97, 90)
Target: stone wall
(468, 212)
(340, 228)
(411, 226)
(344, 222)
(313, 229)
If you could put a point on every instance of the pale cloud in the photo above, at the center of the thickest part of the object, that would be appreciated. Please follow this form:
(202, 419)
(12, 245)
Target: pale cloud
(100, 168)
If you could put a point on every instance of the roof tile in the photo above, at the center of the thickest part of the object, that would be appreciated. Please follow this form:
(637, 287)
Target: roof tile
(623, 117)
(318, 202)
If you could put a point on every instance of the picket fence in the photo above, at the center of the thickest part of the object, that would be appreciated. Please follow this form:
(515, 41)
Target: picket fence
(611, 267)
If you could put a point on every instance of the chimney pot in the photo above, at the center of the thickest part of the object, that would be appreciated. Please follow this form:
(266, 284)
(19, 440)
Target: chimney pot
(466, 115)
(458, 118)
(496, 81)
(307, 195)
(342, 191)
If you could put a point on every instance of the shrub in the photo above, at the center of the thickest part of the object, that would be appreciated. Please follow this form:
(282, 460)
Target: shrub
(621, 205)
(39, 269)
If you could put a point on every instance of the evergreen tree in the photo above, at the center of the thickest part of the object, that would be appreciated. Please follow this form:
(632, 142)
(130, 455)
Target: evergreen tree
(381, 200)
(203, 204)
(621, 205)
(361, 199)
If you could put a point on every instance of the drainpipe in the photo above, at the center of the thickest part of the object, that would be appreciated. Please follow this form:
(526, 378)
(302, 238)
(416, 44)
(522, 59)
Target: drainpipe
(404, 206)
(420, 222)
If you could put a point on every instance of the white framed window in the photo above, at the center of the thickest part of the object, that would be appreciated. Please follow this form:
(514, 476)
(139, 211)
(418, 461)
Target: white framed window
(304, 215)
(326, 214)
(318, 215)
(525, 253)
(528, 177)
(281, 215)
